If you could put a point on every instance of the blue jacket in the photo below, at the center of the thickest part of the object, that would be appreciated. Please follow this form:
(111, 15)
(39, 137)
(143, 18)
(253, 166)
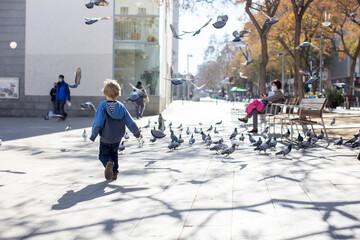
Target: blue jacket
(63, 91)
(111, 125)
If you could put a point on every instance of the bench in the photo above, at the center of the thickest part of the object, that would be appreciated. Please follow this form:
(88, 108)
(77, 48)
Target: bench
(305, 113)
(284, 110)
(351, 99)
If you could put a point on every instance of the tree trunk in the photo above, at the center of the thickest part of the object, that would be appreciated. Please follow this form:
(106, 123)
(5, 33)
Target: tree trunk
(352, 71)
(263, 63)
(352, 68)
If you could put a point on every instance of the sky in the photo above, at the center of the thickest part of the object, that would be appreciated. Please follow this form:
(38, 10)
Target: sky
(190, 21)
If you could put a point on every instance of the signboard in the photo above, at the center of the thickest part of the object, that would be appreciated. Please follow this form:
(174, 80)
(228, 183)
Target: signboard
(9, 88)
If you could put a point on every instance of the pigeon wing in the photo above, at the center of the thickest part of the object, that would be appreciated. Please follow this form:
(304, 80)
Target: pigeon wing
(264, 14)
(78, 76)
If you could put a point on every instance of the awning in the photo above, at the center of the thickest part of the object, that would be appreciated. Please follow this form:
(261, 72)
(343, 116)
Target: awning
(236, 89)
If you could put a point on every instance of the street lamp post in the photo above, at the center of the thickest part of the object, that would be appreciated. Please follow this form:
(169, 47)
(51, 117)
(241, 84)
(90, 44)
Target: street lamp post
(188, 55)
(282, 70)
(321, 56)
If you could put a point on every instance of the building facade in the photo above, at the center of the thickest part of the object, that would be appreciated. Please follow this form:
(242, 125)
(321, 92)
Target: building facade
(136, 44)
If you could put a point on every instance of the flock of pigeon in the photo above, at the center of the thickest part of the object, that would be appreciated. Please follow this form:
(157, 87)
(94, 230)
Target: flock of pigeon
(262, 144)
(91, 5)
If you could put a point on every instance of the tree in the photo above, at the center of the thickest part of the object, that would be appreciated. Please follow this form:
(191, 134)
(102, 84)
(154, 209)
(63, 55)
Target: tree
(263, 28)
(346, 32)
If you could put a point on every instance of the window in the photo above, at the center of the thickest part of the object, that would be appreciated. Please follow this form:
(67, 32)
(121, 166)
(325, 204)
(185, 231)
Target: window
(141, 11)
(124, 10)
(137, 29)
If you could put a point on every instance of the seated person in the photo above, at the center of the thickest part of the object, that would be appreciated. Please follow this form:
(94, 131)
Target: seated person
(257, 107)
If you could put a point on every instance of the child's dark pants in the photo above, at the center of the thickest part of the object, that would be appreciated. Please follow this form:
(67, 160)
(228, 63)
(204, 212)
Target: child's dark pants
(107, 152)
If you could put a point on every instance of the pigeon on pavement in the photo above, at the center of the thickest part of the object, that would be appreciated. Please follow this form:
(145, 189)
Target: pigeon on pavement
(258, 143)
(339, 142)
(84, 135)
(173, 145)
(285, 151)
(332, 122)
(68, 127)
(228, 151)
(234, 133)
(191, 140)
(121, 147)
(351, 141)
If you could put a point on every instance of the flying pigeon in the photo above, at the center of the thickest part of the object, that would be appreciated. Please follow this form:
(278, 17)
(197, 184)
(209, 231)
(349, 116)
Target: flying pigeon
(121, 147)
(332, 122)
(216, 131)
(84, 135)
(272, 20)
(221, 21)
(191, 140)
(305, 45)
(50, 114)
(198, 31)
(88, 105)
(210, 128)
(68, 127)
(351, 141)
(77, 79)
(239, 35)
(197, 87)
(327, 23)
(90, 21)
(285, 151)
(228, 151)
(177, 81)
(173, 145)
(188, 131)
(97, 3)
(247, 55)
(228, 80)
(175, 35)
(311, 77)
(157, 133)
(234, 133)
(241, 75)
(339, 142)
(218, 123)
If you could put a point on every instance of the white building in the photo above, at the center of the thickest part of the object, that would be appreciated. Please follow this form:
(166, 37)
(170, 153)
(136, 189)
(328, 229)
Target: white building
(136, 44)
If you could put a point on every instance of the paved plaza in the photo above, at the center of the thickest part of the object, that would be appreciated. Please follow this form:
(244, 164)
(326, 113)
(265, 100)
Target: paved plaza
(52, 185)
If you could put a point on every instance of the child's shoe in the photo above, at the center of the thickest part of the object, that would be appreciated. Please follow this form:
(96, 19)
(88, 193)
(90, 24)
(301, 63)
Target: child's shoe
(109, 170)
(114, 177)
